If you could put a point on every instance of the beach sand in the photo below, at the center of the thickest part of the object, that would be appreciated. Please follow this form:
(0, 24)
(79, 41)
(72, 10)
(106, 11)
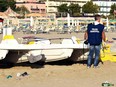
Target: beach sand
(61, 73)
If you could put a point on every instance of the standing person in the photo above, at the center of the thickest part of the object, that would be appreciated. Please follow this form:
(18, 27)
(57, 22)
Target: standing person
(95, 34)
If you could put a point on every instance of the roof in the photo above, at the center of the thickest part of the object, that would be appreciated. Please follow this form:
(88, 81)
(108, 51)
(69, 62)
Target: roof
(3, 15)
(10, 12)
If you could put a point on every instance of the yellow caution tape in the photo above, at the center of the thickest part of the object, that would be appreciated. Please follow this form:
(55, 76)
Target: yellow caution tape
(106, 55)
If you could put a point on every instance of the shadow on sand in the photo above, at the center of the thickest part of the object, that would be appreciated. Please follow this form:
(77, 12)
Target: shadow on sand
(4, 64)
(41, 64)
(66, 62)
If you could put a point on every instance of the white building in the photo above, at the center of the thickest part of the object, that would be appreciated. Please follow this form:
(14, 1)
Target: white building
(105, 6)
(52, 5)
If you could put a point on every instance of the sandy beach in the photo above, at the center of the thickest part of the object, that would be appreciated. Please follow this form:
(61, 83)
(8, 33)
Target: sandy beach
(58, 74)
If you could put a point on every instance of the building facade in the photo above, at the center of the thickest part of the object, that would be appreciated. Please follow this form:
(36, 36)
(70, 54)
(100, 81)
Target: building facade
(34, 6)
(39, 6)
(105, 6)
(52, 5)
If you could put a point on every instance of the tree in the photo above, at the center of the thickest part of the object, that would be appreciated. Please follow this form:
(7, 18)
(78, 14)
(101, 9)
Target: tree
(63, 8)
(89, 7)
(22, 10)
(3, 5)
(113, 7)
(11, 4)
(74, 9)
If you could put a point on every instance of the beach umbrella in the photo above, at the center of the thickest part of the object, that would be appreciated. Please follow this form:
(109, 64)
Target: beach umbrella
(107, 23)
(77, 23)
(31, 21)
(8, 21)
(73, 22)
(68, 19)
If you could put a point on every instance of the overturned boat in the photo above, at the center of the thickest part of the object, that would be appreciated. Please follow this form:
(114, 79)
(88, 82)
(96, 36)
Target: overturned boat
(40, 49)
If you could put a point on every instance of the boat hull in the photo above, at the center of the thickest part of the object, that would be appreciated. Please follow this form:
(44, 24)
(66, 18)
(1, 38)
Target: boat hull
(46, 55)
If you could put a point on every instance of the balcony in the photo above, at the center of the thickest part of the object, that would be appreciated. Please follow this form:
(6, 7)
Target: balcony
(38, 10)
(30, 2)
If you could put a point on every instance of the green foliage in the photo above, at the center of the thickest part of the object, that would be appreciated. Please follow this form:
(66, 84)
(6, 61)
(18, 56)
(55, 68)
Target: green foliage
(89, 7)
(22, 10)
(4, 4)
(111, 17)
(77, 14)
(113, 7)
(11, 4)
(63, 8)
(74, 9)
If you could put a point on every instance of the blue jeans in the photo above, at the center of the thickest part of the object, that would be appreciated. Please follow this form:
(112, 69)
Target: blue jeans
(93, 49)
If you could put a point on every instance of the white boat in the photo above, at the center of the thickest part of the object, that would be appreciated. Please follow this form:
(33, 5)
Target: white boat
(39, 50)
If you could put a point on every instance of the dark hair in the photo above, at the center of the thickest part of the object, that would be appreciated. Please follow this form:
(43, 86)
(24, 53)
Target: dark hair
(97, 16)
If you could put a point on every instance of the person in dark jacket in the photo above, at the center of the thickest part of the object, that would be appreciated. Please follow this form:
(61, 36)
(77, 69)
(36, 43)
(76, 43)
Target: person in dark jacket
(95, 34)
